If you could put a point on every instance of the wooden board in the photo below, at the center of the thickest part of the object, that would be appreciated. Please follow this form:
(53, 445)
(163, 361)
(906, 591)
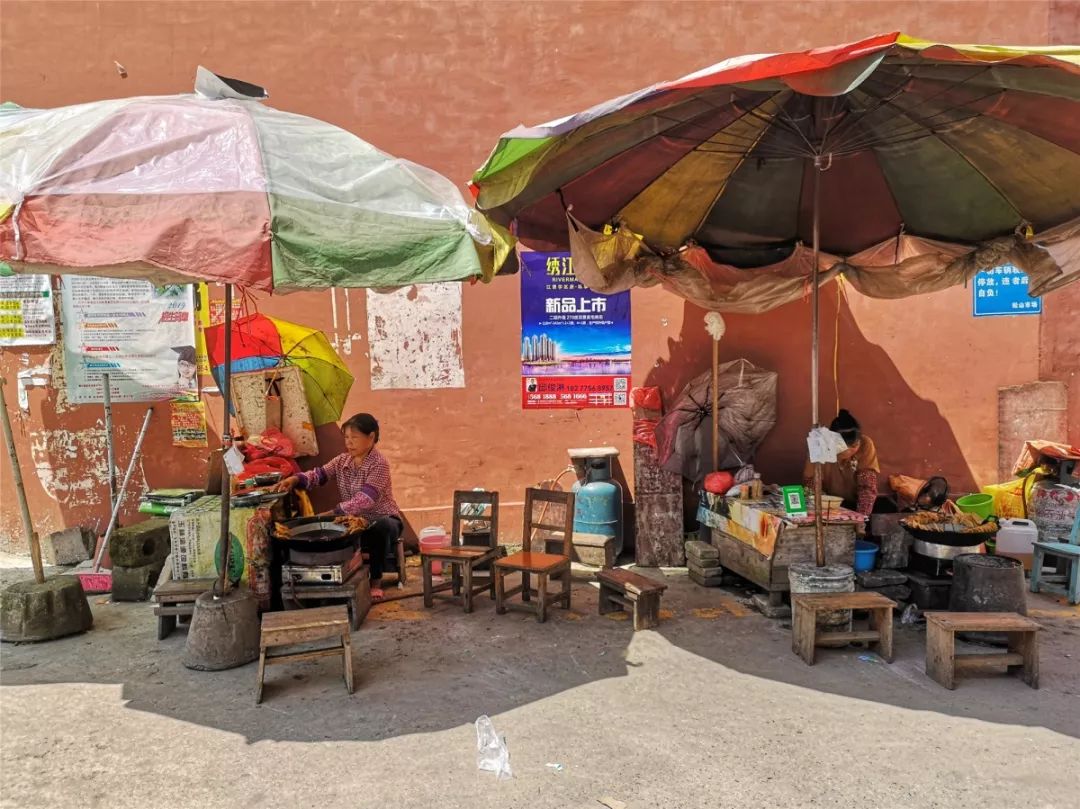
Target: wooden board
(844, 601)
(658, 512)
(793, 544)
(628, 581)
(982, 622)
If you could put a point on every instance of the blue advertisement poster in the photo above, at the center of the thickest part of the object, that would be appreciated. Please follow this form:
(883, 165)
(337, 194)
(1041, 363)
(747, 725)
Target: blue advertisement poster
(575, 343)
(1002, 291)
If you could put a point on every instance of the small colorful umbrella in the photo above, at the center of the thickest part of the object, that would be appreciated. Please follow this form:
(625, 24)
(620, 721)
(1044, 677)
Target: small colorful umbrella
(260, 342)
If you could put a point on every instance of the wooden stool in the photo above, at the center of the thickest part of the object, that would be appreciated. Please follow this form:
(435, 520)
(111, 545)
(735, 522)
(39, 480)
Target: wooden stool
(943, 664)
(176, 599)
(355, 592)
(806, 637)
(621, 589)
(291, 628)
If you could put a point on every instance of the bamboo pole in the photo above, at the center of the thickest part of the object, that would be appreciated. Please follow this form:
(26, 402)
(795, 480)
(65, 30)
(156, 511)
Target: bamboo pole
(20, 491)
(110, 447)
(226, 443)
(715, 404)
(114, 516)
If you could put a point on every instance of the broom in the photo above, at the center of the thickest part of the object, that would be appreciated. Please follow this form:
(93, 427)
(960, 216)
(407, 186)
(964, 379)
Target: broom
(93, 578)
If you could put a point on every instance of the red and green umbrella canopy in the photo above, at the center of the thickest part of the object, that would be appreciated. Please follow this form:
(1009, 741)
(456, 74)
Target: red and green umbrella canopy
(959, 144)
(217, 186)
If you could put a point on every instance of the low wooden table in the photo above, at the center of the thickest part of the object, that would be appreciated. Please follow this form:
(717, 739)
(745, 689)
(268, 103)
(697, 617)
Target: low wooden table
(355, 592)
(622, 589)
(176, 600)
(943, 664)
(284, 629)
(806, 636)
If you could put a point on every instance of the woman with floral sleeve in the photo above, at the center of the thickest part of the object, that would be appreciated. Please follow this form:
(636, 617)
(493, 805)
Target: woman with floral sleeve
(362, 475)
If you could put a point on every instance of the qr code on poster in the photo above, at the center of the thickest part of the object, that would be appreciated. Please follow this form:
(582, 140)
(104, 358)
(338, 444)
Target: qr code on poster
(620, 398)
(620, 384)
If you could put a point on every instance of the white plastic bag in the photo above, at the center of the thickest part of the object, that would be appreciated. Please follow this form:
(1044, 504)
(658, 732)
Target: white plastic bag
(491, 752)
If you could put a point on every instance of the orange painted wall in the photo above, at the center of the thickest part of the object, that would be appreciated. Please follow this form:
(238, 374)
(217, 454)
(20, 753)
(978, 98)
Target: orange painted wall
(437, 83)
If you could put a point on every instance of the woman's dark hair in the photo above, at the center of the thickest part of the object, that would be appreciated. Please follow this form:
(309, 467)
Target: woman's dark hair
(848, 427)
(185, 354)
(363, 423)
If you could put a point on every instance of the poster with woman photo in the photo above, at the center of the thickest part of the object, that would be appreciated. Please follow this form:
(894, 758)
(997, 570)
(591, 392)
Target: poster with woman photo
(142, 335)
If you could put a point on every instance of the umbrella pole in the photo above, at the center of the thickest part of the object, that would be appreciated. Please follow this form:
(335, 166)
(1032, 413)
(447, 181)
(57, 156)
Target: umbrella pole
(226, 444)
(20, 492)
(715, 405)
(815, 295)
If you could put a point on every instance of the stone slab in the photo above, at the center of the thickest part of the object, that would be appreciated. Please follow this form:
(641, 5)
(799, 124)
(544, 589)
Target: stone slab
(701, 550)
(67, 547)
(705, 572)
(872, 579)
(35, 612)
(761, 604)
(709, 581)
(134, 583)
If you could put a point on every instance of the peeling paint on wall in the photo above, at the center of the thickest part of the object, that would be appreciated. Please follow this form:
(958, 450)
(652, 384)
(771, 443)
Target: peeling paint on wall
(71, 465)
(415, 337)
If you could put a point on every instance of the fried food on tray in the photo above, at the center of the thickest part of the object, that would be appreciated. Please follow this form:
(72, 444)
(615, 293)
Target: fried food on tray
(352, 524)
(281, 531)
(950, 523)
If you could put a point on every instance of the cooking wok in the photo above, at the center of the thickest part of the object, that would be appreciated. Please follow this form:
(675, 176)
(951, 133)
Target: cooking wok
(318, 533)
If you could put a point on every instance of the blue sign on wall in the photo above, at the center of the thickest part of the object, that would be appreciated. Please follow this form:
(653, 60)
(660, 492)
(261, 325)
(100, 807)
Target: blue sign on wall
(1002, 291)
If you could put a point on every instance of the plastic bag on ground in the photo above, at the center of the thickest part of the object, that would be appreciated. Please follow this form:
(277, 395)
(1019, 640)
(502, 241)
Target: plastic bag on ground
(491, 752)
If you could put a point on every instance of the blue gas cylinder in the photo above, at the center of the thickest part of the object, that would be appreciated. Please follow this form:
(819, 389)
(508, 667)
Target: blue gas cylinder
(598, 508)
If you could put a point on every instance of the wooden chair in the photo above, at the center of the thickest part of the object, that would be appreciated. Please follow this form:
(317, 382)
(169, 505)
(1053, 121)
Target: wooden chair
(536, 557)
(1066, 553)
(465, 559)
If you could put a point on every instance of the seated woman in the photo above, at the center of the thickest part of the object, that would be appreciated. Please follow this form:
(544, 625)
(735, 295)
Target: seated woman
(854, 476)
(362, 475)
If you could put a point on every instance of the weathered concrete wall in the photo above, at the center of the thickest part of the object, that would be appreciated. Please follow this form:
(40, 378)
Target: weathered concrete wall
(438, 83)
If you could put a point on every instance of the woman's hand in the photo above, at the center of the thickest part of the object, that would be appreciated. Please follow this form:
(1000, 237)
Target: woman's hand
(286, 485)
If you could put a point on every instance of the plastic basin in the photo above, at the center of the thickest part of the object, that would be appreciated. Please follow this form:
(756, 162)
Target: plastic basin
(980, 504)
(865, 555)
(432, 543)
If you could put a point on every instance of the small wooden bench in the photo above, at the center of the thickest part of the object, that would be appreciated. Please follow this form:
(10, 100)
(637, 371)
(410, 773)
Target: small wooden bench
(176, 600)
(943, 664)
(284, 629)
(355, 592)
(621, 589)
(806, 636)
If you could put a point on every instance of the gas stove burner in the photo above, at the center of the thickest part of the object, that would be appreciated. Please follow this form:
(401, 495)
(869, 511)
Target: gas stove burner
(331, 573)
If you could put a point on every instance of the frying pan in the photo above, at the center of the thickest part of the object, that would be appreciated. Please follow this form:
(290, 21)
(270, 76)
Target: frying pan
(318, 533)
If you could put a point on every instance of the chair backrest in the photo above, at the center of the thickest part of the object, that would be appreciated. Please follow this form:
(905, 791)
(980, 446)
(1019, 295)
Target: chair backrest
(488, 516)
(549, 521)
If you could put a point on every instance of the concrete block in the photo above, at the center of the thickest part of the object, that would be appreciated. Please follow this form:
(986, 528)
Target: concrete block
(706, 581)
(145, 543)
(705, 572)
(873, 579)
(701, 550)
(67, 547)
(34, 612)
(134, 583)
(593, 549)
(761, 604)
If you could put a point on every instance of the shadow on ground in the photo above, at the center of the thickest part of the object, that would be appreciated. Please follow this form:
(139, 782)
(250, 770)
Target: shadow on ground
(426, 670)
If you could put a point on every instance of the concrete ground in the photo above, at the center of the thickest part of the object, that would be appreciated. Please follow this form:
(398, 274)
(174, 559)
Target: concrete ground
(711, 710)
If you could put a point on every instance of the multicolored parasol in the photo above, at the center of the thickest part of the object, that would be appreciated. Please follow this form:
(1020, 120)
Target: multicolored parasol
(217, 186)
(260, 342)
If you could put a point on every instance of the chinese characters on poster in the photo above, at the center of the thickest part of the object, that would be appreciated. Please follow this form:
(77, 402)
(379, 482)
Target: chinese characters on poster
(575, 343)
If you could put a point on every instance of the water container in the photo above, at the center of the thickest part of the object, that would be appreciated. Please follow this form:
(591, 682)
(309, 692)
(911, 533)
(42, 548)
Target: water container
(1053, 509)
(434, 537)
(1015, 538)
(865, 555)
(599, 502)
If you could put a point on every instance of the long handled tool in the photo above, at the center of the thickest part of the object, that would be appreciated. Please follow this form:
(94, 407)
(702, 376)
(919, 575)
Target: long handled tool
(20, 492)
(96, 580)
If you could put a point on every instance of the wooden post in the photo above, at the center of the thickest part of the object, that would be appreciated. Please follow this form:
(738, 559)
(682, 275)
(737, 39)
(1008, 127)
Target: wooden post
(715, 404)
(20, 491)
(815, 296)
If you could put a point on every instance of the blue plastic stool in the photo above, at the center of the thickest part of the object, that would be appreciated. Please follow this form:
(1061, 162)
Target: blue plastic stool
(1069, 552)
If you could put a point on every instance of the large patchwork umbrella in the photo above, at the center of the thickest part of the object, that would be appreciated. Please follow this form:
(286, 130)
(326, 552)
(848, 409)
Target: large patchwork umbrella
(906, 165)
(260, 342)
